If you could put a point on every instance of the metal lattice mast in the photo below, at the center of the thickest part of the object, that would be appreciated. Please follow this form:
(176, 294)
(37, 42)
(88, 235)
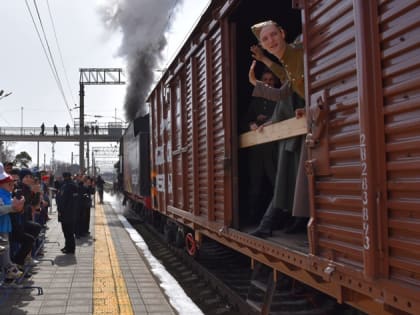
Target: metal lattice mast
(93, 76)
(53, 156)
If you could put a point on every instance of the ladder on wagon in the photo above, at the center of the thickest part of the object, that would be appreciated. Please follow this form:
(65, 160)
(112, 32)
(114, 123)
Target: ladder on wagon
(273, 293)
(262, 287)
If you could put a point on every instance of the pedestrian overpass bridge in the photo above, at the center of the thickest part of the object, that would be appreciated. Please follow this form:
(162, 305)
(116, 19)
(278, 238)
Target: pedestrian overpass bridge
(34, 134)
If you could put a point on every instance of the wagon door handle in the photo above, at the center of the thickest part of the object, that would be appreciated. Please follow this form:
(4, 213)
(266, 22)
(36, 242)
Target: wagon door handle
(318, 115)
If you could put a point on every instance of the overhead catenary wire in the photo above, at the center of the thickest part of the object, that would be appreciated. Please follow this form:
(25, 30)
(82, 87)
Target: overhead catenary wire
(49, 55)
(60, 85)
(39, 37)
(59, 51)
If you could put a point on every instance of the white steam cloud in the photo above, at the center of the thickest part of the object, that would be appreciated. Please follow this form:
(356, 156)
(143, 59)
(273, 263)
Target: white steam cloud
(143, 24)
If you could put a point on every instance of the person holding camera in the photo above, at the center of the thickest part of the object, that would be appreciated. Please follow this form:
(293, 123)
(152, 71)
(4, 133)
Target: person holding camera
(24, 230)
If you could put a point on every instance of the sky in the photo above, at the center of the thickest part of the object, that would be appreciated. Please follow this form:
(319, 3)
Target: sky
(90, 34)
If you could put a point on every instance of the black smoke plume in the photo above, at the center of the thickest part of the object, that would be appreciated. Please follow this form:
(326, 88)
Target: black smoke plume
(143, 24)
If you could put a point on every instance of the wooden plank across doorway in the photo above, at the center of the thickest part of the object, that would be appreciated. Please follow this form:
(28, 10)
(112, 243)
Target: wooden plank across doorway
(284, 129)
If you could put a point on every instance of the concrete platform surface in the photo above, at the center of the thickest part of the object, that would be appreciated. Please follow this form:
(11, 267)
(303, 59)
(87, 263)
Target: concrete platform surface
(108, 274)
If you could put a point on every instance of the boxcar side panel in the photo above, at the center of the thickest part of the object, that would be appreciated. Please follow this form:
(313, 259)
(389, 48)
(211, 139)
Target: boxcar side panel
(206, 129)
(219, 131)
(363, 67)
(336, 228)
(177, 145)
(159, 149)
(189, 128)
(202, 131)
(399, 26)
(167, 144)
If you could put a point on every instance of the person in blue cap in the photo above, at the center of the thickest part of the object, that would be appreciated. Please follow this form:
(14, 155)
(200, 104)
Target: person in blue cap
(10, 270)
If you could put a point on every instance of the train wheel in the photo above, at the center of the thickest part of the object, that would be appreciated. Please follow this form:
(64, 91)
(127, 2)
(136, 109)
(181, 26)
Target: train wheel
(191, 245)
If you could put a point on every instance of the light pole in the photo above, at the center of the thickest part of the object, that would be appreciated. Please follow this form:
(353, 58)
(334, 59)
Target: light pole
(21, 120)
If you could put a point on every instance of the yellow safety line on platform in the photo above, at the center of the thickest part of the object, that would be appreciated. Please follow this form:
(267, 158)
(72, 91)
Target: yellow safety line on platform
(110, 294)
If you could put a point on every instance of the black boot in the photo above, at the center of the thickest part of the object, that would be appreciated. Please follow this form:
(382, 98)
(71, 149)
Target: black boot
(298, 226)
(266, 225)
(262, 232)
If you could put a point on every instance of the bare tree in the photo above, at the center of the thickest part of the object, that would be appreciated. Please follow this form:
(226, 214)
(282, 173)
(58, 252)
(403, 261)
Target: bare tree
(22, 159)
(6, 154)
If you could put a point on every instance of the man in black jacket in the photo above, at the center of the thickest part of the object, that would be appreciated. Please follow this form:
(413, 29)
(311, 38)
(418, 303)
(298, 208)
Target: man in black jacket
(67, 206)
(100, 188)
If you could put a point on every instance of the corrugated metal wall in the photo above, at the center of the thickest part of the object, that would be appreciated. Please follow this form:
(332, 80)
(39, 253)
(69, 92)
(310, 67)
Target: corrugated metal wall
(202, 132)
(332, 73)
(195, 125)
(399, 23)
(190, 128)
(177, 145)
(168, 135)
(344, 228)
(218, 128)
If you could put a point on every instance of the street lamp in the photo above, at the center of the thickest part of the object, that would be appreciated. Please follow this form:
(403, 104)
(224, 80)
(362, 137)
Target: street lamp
(21, 120)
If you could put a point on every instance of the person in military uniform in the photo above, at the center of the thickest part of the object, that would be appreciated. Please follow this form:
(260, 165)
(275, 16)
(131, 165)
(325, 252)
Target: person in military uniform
(261, 158)
(67, 211)
(272, 39)
(290, 193)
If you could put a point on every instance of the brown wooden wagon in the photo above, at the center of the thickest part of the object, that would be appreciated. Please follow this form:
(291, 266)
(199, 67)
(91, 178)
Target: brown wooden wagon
(362, 70)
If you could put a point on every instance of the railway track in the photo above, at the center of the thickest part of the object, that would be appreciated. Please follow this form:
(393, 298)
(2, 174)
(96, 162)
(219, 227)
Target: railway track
(209, 293)
(218, 280)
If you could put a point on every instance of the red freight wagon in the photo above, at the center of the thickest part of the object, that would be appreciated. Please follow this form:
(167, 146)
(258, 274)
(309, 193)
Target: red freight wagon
(362, 69)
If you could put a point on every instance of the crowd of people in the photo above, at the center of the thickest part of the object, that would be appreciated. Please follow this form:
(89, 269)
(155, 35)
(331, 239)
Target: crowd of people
(55, 130)
(74, 201)
(24, 203)
(93, 129)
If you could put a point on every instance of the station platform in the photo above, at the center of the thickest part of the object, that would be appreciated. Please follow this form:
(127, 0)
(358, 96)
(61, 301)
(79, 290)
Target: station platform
(111, 272)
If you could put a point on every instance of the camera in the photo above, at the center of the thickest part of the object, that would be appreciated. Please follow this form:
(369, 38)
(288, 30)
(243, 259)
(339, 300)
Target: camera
(18, 193)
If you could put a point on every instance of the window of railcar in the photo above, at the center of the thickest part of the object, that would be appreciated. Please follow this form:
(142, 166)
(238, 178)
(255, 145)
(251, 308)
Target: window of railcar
(247, 14)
